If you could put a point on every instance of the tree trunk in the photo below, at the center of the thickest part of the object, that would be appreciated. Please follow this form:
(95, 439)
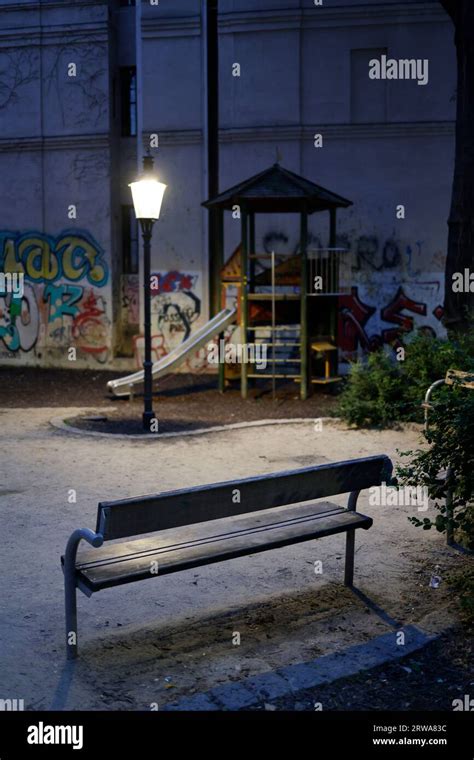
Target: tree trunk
(459, 307)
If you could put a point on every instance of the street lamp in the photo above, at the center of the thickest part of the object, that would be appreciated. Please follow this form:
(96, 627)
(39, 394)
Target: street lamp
(147, 195)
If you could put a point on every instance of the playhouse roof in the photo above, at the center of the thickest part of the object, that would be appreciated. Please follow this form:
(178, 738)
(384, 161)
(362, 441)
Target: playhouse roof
(278, 190)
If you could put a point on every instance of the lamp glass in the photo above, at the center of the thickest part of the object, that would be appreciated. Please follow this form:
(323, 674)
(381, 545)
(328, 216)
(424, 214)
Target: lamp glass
(147, 195)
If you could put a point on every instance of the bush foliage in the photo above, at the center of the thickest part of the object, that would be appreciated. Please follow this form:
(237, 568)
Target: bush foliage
(450, 436)
(381, 390)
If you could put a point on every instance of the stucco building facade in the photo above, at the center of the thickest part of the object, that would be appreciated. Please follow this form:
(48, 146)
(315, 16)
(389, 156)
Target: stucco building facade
(86, 87)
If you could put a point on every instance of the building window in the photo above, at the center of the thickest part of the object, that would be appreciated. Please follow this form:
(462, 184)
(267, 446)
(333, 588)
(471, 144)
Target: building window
(368, 96)
(128, 98)
(129, 241)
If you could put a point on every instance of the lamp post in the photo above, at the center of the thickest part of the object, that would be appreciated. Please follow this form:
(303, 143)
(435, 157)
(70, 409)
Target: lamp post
(147, 195)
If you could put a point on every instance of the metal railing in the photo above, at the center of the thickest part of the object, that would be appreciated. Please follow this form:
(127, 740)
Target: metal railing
(325, 271)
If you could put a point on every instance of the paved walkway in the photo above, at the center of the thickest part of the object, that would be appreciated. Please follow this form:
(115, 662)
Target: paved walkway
(160, 643)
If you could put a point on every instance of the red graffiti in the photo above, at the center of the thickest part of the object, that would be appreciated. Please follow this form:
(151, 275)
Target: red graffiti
(89, 329)
(393, 313)
(158, 349)
(171, 282)
(353, 316)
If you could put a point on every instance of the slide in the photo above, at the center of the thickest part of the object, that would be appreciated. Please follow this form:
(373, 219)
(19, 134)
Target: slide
(168, 363)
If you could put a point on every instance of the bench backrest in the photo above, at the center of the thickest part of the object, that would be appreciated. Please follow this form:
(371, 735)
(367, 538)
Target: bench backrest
(172, 509)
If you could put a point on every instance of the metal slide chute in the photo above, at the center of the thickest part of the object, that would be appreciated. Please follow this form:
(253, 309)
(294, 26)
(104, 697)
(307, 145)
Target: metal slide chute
(123, 385)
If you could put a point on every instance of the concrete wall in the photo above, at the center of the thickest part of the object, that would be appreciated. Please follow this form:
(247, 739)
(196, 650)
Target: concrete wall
(55, 154)
(174, 107)
(304, 71)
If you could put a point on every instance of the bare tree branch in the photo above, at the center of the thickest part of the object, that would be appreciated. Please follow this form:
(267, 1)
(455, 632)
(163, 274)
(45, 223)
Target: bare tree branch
(18, 69)
(89, 58)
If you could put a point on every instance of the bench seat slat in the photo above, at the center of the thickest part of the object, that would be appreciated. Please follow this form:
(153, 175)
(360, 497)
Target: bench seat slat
(202, 544)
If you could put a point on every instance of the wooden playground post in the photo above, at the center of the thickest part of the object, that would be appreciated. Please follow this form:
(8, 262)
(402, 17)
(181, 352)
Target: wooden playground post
(251, 250)
(243, 298)
(222, 293)
(334, 255)
(303, 305)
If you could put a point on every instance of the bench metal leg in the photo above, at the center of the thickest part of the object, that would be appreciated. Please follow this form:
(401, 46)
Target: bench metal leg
(350, 542)
(349, 567)
(95, 539)
(71, 615)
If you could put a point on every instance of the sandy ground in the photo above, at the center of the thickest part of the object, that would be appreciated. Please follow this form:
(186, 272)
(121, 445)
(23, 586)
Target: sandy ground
(157, 641)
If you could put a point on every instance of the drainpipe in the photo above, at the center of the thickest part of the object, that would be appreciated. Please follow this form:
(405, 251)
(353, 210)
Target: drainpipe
(215, 256)
(139, 68)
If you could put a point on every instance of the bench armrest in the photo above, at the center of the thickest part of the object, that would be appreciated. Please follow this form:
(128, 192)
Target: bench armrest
(94, 539)
(426, 405)
(352, 503)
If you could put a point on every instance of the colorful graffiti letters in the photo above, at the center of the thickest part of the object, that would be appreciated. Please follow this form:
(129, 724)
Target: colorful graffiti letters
(19, 323)
(393, 313)
(62, 300)
(42, 258)
(61, 305)
(171, 282)
(354, 315)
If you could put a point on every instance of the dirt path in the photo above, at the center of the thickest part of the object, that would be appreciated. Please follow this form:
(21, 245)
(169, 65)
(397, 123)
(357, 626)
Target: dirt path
(434, 678)
(154, 643)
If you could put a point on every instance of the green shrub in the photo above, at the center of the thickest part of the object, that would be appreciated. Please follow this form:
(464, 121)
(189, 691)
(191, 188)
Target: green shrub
(381, 390)
(428, 359)
(373, 393)
(451, 444)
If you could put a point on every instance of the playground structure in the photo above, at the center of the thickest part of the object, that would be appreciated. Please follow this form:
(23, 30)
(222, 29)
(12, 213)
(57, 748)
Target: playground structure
(292, 305)
(285, 302)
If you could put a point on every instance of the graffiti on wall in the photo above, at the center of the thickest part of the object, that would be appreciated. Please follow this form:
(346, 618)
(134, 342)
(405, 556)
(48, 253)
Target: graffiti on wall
(175, 306)
(400, 310)
(375, 256)
(387, 288)
(130, 299)
(175, 311)
(63, 304)
(368, 253)
(19, 321)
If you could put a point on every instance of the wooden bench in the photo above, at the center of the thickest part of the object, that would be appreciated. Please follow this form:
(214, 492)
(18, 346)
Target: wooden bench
(251, 515)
